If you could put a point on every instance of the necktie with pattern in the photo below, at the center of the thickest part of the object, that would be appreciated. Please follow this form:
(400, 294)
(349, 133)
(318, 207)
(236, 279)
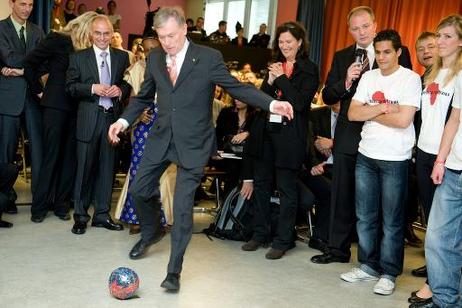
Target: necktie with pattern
(106, 102)
(171, 68)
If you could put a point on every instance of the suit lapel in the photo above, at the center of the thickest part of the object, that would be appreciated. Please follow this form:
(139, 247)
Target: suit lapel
(162, 65)
(14, 34)
(29, 37)
(190, 60)
(114, 64)
(92, 63)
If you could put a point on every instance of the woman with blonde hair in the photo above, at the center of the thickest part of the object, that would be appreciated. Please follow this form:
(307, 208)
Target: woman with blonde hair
(51, 57)
(437, 97)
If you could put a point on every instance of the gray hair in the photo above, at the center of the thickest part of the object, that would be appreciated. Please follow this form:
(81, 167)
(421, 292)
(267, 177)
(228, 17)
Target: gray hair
(165, 13)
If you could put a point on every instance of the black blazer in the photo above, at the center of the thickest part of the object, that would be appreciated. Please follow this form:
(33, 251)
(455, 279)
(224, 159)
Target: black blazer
(244, 41)
(228, 124)
(184, 109)
(290, 142)
(347, 133)
(13, 90)
(261, 41)
(319, 126)
(81, 75)
(53, 50)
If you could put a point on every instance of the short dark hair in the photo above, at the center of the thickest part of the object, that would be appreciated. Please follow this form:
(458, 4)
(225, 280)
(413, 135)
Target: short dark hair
(222, 23)
(389, 35)
(424, 35)
(199, 18)
(298, 31)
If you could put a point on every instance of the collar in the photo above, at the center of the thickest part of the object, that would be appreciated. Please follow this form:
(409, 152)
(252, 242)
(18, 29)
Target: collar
(17, 25)
(369, 49)
(98, 51)
(181, 54)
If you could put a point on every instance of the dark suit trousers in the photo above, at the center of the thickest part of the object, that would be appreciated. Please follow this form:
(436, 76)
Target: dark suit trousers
(320, 186)
(56, 179)
(145, 191)
(286, 182)
(342, 210)
(8, 176)
(9, 136)
(95, 172)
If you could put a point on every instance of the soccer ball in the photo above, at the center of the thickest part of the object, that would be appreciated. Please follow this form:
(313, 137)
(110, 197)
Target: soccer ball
(123, 283)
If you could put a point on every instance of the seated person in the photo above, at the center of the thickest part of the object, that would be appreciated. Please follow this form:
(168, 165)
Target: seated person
(239, 40)
(220, 36)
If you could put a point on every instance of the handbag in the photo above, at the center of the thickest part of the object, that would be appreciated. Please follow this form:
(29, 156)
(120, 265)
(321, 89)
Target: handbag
(234, 148)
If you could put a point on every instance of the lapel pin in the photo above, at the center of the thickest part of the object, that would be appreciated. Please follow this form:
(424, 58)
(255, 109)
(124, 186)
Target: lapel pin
(194, 59)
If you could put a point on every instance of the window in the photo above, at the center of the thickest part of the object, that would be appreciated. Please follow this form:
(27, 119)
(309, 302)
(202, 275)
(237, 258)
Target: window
(250, 13)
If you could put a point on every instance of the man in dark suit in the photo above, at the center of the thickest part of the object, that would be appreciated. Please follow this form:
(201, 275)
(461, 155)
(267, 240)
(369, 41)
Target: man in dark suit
(95, 80)
(341, 84)
(17, 38)
(183, 75)
(8, 176)
(261, 39)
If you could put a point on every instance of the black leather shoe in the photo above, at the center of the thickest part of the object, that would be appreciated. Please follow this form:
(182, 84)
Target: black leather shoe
(327, 258)
(37, 218)
(427, 304)
(107, 224)
(420, 272)
(63, 216)
(11, 208)
(415, 299)
(79, 228)
(411, 238)
(5, 224)
(317, 244)
(141, 247)
(171, 282)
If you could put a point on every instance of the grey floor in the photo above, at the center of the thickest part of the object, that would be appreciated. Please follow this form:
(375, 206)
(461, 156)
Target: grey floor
(45, 265)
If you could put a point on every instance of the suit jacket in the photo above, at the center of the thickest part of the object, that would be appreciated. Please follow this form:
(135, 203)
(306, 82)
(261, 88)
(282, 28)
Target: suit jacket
(53, 50)
(290, 142)
(13, 90)
(347, 133)
(184, 110)
(320, 125)
(235, 42)
(81, 75)
(261, 41)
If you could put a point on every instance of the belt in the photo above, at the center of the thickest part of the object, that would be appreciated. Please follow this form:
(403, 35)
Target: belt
(455, 171)
(109, 110)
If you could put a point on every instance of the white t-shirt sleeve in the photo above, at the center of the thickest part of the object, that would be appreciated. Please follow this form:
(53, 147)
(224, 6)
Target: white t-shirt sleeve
(361, 91)
(411, 96)
(457, 91)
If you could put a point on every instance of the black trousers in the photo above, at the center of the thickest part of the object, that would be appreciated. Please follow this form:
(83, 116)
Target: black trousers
(286, 183)
(342, 206)
(95, 172)
(8, 176)
(426, 187)
(320, 186)
(56, 177)
(145, 191)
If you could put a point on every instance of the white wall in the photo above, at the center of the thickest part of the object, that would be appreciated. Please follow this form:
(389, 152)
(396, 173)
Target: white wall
(4, 9)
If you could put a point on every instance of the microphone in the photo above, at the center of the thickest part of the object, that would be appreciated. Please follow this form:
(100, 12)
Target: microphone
(358, 56)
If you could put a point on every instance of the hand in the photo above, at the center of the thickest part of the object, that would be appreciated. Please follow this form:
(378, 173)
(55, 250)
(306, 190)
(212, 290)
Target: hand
(40, 95)
(247, 190)
(217, 156)
(12, 72)
(353, 72)
(390, 108)
(146, 117)
(283, 108)
(322, 143)
(113, 91)
(276, 69)
(239, 138)
(114, 130)
(438, 173)
(318, 169)
(100, 89)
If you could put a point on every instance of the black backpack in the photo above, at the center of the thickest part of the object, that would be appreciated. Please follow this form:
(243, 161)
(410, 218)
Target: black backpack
(234, 220)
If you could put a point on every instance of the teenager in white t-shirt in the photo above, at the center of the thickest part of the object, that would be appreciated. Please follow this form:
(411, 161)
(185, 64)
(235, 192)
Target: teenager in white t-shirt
(386, 99)
(443, 244)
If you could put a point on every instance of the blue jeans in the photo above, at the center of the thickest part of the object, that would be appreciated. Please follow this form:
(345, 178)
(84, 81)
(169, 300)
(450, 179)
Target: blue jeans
(443, 242)
(381, 188)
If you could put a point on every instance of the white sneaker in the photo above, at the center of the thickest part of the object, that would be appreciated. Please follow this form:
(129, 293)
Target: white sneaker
(384, 286)
(356, 275)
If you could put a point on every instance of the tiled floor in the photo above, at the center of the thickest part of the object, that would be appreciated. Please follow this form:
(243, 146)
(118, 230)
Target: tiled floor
(45, 265)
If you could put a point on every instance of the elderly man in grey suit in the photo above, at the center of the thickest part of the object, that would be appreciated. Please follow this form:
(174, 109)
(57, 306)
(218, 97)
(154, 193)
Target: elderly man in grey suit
(17, 38)
(183, 75)
(95, 80)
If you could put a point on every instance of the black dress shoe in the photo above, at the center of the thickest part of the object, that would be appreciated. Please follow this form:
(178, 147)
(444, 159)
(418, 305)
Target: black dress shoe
(327, 258)
(11, 208)
(420, 272)
(415, 299)
(108, 224)
(37, 218)
(79, 228)
(5, 224)
(63, 217)
(411, 238)
(428, 303)
(171, 282)
(317, 244)
(141, 247)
